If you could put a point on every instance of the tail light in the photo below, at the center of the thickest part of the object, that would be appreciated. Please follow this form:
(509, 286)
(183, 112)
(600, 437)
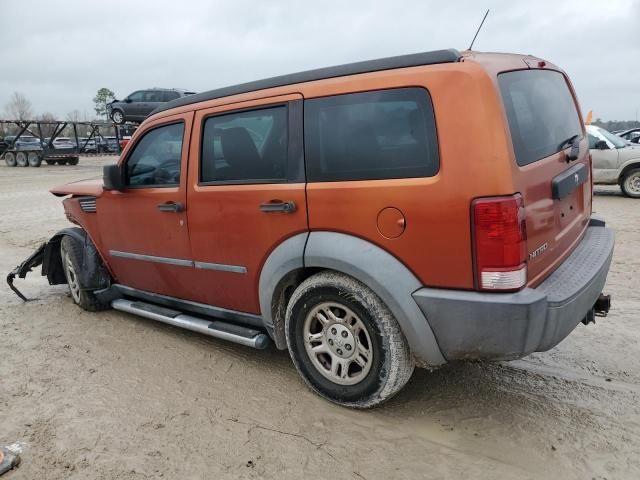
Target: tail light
(500, 236)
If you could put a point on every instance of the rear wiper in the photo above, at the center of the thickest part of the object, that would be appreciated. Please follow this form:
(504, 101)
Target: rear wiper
(574, 142)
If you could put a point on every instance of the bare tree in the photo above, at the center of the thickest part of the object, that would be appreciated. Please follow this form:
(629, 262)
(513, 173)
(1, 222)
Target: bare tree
(73, 116)
(19, 107)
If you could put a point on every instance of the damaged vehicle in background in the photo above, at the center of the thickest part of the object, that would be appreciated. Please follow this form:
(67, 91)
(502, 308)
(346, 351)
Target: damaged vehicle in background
(137, 106)
(337, 213)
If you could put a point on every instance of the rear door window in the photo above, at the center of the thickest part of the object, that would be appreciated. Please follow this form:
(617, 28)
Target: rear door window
(245, 147)
(374, 135)
(541, 112)
(168, 96)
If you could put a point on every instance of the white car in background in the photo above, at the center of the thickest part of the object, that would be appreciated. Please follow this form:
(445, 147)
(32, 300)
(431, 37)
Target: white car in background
(615, 162)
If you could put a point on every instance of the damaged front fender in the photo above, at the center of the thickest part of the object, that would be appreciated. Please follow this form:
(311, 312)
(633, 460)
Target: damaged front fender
(92, 276)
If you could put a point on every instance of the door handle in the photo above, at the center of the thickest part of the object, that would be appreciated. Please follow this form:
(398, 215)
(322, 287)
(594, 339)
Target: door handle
(278, 206)
(171, 207)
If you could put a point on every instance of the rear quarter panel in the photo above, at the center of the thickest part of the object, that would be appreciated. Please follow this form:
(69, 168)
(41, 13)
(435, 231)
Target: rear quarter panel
(436, 243)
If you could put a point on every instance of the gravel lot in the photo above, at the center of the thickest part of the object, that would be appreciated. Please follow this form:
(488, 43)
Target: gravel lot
(113, 396)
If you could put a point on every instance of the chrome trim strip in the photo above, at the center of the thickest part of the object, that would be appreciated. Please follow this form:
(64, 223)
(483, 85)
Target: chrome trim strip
(151, 258)
(220, 266)
(180, 262)
(189, 306)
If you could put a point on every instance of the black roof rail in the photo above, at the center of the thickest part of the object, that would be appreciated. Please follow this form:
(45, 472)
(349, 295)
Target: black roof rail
(403, 61)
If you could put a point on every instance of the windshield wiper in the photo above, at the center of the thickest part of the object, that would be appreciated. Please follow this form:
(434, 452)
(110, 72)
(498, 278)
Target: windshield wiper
(574, 143)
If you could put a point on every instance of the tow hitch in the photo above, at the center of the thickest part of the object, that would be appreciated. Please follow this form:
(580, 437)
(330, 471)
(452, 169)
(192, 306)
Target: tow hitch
(602, 306)
(600, 309)
(25, 267)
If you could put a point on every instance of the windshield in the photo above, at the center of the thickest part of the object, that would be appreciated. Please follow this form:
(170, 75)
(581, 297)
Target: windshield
(28, 139)
(616, 140)
(541, 112)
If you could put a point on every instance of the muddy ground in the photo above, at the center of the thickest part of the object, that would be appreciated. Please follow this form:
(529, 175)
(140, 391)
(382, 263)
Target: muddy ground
(112, 396)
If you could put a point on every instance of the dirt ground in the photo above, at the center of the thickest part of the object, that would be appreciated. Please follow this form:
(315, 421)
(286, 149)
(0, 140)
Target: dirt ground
(112, 396)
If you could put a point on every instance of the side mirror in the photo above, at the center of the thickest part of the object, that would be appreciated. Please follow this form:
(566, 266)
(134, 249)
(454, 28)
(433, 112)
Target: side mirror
(112, 177)
(127, 100)
(602, 145)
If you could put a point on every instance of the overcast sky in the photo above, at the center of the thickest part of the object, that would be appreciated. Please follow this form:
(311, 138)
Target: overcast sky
(60, 52)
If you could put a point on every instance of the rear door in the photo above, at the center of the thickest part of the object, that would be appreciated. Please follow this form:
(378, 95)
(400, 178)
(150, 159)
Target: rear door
(246, 195)
(544, 121)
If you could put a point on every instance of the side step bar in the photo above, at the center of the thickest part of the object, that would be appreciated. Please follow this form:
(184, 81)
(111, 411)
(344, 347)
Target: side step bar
(214, 328)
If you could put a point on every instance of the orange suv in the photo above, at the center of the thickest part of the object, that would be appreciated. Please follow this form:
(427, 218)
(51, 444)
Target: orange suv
(369, 218)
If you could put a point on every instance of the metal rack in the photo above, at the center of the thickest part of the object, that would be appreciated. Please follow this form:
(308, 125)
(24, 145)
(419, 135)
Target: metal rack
(45, 149)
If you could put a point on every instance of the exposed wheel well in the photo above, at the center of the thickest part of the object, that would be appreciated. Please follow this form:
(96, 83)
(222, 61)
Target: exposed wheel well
(281, 296)
(625, 170)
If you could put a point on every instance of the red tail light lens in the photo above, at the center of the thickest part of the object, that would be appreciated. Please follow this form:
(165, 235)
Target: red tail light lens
(500, 243)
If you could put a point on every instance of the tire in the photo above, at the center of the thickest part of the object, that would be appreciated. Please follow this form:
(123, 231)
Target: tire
(21, 159)
(10, 159)
(71, 256)
(61, 162)
(118, 117)
(381, 362)
(34, 159)
(630, 184)
(73, 161)
(50, 162)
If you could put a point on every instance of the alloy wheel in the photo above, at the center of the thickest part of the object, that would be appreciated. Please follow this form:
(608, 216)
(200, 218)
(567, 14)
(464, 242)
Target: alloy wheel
(338, 343)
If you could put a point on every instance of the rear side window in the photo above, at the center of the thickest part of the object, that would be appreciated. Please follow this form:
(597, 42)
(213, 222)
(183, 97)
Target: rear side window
(245, 146)
(369, 136)
(541, 112)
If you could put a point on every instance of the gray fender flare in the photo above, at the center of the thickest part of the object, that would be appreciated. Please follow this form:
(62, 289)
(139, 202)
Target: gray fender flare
(283, 260)
(362, 260)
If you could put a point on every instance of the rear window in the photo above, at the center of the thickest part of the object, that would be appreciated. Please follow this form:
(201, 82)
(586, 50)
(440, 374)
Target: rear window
(541, 113)
(368, 136)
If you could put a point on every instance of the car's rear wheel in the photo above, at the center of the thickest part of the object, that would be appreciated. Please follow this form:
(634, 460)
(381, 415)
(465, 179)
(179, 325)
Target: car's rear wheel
(345, 343)
(10, 159)
(21, 159)
(71, 255)
(631, 183)
(34, 159)
(118, 117)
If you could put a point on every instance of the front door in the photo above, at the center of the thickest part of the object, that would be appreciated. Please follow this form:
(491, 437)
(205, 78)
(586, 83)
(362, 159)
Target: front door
(246, 195)
(605, 160)
(144, 227)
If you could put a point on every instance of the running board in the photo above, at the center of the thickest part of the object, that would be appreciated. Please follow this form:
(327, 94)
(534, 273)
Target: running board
(214, 328)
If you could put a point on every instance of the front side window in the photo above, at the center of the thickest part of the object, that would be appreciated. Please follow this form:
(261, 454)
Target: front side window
(245, 146)
(368, 136)
(541, 112)
(614, 139)
(155, 160)
(137, 97)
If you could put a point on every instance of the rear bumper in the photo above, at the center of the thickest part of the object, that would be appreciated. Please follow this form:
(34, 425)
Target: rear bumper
(474, 325)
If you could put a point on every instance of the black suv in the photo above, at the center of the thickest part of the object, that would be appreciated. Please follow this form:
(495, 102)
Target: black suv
(137, 106)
